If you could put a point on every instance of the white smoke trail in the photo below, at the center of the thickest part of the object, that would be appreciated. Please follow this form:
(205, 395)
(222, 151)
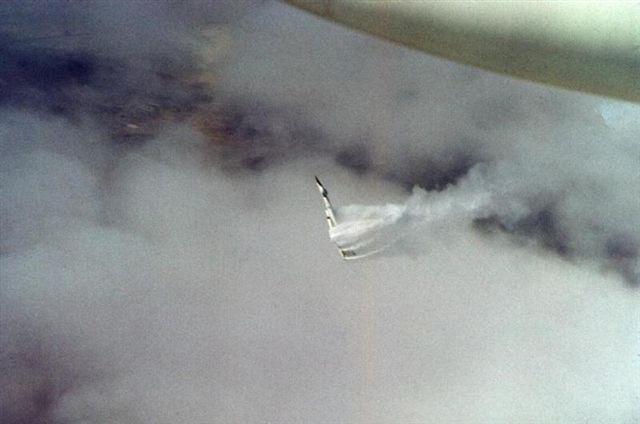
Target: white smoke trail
(368, 229)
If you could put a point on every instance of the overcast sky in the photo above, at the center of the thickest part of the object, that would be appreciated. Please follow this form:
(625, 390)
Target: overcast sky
(164, 252)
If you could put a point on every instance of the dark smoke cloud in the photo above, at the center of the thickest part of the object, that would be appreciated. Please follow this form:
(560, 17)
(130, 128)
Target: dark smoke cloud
(130, 65)
(164, 255)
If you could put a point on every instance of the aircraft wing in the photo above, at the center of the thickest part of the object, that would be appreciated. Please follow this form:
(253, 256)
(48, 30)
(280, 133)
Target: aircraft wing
(331, 220)
(359, 231)
(583, 45)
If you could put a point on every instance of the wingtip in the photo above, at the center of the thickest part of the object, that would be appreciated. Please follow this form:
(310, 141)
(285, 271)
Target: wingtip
(321, 187)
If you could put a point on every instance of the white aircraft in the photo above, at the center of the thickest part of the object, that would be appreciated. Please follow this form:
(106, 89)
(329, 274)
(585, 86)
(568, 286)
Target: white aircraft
(360, 231)
(361, 234)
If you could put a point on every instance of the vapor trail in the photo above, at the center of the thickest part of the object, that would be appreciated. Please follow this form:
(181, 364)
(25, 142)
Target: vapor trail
(369, 229)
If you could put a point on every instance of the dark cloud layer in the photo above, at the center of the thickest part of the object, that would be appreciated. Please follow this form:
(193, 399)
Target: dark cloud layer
(164, 255)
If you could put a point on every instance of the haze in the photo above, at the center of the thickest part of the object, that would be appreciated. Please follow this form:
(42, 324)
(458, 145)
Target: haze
(165, 256)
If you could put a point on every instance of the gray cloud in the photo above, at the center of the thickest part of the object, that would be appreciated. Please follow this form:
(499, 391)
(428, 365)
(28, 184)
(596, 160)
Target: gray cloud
(187, 276)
